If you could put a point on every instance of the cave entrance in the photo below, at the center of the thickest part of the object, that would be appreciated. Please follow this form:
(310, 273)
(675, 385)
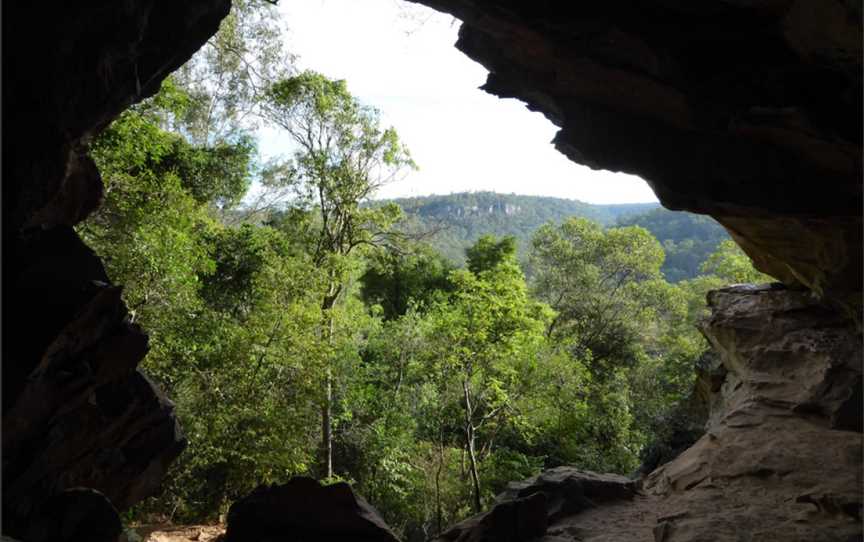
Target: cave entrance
(318, 306)
(428, 403)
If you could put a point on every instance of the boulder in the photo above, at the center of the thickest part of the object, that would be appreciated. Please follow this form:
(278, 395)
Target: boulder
(75, 515)
(525, 509)
(515, 520)
(303, 509)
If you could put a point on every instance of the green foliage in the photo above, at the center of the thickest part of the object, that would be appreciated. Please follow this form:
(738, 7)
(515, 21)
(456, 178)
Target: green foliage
(731, 265)
(459, 220)
(438, 385)
(396, 281)
(487, 253)
(601, 284)
(631, 330)
(687, 239)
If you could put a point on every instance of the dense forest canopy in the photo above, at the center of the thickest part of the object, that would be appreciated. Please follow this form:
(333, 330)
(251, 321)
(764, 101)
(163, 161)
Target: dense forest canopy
(314, 332)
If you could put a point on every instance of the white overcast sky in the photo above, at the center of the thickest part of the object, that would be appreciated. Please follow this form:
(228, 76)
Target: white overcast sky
(400, 58)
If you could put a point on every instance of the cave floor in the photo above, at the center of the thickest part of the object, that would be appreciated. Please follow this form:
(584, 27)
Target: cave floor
(178, 533)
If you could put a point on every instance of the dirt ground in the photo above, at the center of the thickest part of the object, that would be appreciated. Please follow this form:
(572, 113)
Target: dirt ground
(176, 533)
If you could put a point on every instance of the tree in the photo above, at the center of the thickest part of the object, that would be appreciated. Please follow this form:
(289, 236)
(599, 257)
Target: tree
(600, 284)
(152, 229)
(343, 158)
(732, 265)
(227, 78)
(483, 338)
(395, 280)
(631, 329)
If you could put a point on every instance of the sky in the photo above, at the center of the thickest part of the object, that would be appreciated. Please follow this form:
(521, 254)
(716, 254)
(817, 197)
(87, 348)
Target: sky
(400, 58)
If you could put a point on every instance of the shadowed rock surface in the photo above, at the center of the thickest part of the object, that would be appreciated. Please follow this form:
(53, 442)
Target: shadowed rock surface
(73, 516)
(303, 509)
(76, 412)
(526, 509)
(81, 415)
(747, 111)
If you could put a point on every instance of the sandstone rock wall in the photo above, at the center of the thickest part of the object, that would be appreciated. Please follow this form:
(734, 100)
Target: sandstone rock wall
(782, 455)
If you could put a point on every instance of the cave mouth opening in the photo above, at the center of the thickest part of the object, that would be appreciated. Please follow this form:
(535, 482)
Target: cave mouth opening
(75, 322)
(248, 304)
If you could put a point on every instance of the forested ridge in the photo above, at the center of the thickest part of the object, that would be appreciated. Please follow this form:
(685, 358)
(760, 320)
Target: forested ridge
(312, 332)
(455, 221)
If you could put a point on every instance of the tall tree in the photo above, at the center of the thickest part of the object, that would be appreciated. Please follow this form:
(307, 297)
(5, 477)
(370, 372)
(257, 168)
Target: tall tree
(483, 338)
(227, 78)
(601, 283)
(343, 157)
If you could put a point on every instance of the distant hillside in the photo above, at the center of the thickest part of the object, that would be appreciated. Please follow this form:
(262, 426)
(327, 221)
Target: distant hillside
(462, 218)
(687, 238)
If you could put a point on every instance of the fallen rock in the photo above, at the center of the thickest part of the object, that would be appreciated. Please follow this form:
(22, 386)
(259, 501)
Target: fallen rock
(75, 515)
(303, 509)
(569, 490)
(517, 520)
(525, 509)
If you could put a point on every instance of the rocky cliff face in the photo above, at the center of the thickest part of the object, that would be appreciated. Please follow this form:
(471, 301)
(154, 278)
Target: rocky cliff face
(780, 460)
(76, 412)
(782, 456)
(747, 111)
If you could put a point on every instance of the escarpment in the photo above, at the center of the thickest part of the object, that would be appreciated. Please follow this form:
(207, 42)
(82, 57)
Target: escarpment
(747, 111)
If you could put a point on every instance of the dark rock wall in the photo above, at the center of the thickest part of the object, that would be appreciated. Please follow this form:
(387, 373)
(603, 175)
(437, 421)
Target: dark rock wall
(76, 411)
(747, 111)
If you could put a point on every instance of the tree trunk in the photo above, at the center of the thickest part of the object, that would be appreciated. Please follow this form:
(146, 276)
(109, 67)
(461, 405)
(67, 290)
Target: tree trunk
(327, 427)
(327, 403)
(469, 442)
(438, 512)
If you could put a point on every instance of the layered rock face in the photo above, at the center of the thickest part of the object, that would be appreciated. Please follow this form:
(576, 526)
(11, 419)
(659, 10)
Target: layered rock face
(76, 412)
(782, 457)
(747, 111)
